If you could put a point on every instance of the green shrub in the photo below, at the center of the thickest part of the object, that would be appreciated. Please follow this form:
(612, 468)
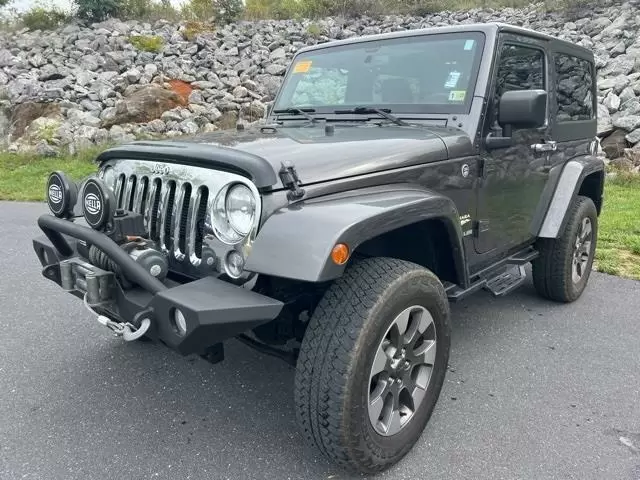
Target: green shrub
(148, 10)
(314, 30)
(43, 18)
(193, 28)
(97, 10)
(147, 43)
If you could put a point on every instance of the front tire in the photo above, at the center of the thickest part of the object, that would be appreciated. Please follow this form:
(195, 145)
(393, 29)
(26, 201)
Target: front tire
(562, 270)
(372, 363)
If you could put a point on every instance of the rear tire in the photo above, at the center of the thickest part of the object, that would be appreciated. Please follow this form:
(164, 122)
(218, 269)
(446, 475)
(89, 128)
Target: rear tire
(356, 330)
(562, 270)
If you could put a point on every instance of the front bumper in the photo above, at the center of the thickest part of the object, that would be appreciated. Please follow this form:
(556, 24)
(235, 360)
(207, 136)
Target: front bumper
(214, 310)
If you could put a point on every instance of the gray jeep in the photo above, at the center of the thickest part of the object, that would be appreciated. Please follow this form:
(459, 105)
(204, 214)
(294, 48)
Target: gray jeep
(392, 175)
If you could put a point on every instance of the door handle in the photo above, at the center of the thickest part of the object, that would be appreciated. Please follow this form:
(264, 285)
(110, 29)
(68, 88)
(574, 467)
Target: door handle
(549, 146)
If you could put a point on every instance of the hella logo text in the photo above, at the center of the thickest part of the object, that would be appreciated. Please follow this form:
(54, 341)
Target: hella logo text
(92, 203)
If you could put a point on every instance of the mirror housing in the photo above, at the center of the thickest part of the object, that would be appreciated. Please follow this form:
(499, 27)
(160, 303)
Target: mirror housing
(518, 109)
(523, 109)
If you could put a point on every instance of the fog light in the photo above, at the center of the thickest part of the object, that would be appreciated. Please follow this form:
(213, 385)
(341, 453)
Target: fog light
(179, 322)
(62, 194)
(234, 264)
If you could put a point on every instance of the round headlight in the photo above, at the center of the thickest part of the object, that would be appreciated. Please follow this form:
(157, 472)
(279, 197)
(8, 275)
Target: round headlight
(233, 213)
(241, 208)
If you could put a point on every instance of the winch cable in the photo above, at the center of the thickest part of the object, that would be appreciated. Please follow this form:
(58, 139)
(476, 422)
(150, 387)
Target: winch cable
(128, 332)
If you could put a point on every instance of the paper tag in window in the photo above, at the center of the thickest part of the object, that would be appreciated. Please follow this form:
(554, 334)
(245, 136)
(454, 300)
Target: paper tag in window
(457, 95)
(468, 45)
(302, 67)
(452, 79)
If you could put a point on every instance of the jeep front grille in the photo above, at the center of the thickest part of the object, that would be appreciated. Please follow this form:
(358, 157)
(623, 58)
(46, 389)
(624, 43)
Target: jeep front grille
(173, 211)
(176, 202)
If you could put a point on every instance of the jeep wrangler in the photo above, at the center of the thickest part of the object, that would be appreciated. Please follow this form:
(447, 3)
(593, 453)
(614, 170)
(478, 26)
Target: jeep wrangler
(391, 175)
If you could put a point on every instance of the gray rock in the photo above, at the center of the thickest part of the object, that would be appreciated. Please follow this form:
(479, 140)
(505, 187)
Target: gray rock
(628, 123)
(633, 137)
(4, 79)
(275, 69)
(612, 102)
(6, 58)
(133, 75)
(157, 126)
(43, 149)
(627, 94)
(189, 127)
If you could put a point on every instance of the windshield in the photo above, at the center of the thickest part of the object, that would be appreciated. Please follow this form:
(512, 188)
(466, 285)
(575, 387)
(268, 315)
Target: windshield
(420, 74)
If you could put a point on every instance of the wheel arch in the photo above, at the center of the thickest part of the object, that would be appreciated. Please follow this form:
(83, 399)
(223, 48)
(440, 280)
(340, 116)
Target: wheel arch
(580, 176)
(296, 241)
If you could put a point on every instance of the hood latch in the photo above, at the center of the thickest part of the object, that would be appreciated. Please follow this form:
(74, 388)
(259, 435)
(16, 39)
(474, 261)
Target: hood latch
(290, 180)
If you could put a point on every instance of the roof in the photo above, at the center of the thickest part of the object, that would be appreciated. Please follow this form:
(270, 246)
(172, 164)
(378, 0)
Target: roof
(489, 29)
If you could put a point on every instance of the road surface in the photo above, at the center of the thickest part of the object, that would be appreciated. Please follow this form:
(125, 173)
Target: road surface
(535, 390)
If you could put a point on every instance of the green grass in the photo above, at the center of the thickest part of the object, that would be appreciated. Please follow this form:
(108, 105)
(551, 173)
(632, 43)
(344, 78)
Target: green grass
(23, 178)
(619, 236)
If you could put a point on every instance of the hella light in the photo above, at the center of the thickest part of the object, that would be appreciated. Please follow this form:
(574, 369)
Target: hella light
(62, 194)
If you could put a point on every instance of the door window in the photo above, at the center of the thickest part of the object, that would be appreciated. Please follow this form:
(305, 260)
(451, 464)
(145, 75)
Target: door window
(520, 68)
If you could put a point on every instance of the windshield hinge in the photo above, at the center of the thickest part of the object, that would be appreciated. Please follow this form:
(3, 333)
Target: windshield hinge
(290, 180)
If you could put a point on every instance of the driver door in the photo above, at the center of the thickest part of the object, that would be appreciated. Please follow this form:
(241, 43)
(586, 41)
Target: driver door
(513, 177)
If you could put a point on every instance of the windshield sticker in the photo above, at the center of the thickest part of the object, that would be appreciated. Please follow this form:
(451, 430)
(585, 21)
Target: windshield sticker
(302, 67)
(457, 95)
(452, 79)
(468, 45)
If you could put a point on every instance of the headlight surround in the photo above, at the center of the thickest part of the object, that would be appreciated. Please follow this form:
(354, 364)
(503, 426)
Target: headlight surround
(233, 214)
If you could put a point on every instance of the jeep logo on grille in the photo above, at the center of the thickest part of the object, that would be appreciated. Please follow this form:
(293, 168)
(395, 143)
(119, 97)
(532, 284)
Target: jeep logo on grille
(55, 193)
(160, 169)
(92, 203)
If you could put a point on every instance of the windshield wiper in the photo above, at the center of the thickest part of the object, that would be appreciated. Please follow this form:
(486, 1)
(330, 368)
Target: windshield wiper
(299, 111)
(383, 112)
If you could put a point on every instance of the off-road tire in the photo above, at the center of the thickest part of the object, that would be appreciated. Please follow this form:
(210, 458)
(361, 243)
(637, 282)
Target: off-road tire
(333, 369)
(552, 270)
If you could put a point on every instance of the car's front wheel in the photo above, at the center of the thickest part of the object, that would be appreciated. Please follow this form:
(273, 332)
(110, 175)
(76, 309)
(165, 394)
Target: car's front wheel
(372, 363)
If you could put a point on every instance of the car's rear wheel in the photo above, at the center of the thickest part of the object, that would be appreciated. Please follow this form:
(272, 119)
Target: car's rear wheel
(372, 363)
(562, 270)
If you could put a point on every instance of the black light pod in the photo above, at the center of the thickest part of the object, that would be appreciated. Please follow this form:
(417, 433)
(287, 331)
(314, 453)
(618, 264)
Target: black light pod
(98, 203)
(62, 195)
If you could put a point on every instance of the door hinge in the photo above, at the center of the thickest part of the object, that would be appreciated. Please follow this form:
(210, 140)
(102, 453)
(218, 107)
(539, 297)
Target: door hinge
(481, 163)
(290, 181)
(480, 226)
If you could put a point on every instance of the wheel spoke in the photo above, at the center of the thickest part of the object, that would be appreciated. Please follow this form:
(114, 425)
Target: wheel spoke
(426, 352)
(585, 231)
(377, 400)
(402, 321)
(417, 394)
(413, 333)
(380, 362)
(395, 424)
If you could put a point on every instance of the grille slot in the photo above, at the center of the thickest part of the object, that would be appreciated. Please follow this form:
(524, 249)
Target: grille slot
(173, 212)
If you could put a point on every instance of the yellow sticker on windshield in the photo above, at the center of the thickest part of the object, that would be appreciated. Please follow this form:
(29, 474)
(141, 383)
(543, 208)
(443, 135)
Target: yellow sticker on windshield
(457, 95)
(302, 67)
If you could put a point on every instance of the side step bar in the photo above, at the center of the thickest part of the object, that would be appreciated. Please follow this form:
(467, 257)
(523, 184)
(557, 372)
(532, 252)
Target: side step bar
(500, 278)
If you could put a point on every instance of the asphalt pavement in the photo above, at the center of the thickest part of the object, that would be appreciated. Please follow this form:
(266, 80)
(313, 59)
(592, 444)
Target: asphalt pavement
(535, 390)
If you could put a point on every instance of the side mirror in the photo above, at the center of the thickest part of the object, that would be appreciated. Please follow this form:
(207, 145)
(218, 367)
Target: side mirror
(518, 109)
(523, 109)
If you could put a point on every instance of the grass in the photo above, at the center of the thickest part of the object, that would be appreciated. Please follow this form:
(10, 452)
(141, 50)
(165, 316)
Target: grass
(619, 236)
(23, 178)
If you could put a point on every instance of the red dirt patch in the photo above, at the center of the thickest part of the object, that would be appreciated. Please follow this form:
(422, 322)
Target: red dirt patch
(183, 89)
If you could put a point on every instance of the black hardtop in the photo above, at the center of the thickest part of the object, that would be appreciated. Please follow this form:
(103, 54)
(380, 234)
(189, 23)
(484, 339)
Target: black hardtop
(490, 30)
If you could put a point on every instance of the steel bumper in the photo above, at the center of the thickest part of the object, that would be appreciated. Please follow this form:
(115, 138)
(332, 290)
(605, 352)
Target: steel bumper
(214, 310)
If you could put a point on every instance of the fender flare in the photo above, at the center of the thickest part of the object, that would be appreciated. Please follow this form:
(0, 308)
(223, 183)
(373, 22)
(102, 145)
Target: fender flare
(566, 189)
(296, 241)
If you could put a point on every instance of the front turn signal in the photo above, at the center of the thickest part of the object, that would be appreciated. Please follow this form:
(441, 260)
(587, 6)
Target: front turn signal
(340, 254)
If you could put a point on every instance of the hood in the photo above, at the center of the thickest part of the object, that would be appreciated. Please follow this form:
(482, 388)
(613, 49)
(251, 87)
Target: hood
(350, 150)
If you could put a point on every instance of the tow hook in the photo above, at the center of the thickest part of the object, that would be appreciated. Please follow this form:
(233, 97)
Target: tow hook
(127, 331)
